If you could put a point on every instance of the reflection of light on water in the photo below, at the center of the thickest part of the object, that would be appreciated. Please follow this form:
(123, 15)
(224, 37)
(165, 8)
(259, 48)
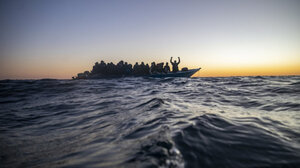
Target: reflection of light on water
(149, 121)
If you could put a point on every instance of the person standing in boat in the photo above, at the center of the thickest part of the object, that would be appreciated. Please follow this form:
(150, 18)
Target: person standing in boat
(153, 68)
(167, 68)
(136, 69)
(160, 67)
(175, 64)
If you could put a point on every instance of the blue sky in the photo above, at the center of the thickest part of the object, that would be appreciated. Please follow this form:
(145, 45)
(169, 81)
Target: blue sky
(60, 38)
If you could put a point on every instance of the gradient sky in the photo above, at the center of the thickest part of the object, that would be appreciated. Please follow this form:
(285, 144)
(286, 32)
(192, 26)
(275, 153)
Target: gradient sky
(59, 38)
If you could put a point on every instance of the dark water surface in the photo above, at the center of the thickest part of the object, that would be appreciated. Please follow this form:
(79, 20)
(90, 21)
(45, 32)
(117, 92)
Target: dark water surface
(140, 122)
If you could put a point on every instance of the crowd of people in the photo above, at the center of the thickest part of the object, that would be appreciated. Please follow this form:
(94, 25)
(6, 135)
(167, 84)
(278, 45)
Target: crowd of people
(125, 69)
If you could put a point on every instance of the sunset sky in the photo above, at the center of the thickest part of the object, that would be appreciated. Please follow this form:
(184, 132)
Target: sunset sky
(60, 38)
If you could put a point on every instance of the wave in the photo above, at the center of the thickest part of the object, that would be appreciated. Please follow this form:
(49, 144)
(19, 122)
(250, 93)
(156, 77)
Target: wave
(149, 122)
(215, 142)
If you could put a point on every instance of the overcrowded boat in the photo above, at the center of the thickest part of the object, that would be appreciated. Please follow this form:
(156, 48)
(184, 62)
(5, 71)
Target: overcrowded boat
(123, 69)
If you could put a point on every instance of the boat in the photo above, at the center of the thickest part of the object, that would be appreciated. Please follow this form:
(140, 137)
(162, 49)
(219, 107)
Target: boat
(124, 70)
(187, 73)
(183, 73)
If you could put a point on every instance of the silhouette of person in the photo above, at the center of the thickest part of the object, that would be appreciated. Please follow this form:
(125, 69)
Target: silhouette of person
(127, 69)
(147, 69)
(136, 68)
(120, 68)
(102, 68)
(175, 64)
(153, 68)
(110, 69)
(167, 68)
(160, 67)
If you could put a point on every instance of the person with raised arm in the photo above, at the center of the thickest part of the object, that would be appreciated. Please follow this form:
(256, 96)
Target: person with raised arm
(175, 64)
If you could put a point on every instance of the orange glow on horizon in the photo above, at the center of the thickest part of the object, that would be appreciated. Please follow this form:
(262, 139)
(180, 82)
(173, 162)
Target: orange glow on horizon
(69, 66)
(66, 72)
(279, 70)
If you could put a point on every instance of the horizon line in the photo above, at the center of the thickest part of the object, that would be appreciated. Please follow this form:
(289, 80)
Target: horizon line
(142, 76)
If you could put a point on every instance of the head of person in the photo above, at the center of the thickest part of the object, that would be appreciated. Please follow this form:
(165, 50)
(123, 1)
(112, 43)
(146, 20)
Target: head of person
(175, 61)
(142, 63)
(136, 63)
(167, 63)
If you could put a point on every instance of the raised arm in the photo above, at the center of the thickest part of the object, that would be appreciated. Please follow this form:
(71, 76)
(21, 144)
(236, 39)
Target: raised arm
(171, 60)
(178, 60)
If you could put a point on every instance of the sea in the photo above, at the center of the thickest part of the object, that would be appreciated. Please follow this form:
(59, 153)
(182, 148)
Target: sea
(208, 122)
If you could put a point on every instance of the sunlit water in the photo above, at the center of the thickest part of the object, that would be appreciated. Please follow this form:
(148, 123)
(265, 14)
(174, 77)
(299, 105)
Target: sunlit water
(140, 122)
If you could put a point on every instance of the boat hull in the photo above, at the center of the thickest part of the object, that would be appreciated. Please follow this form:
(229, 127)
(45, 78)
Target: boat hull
(187, 74)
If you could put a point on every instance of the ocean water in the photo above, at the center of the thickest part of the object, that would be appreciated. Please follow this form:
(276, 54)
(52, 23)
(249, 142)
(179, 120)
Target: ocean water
(144, 122)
